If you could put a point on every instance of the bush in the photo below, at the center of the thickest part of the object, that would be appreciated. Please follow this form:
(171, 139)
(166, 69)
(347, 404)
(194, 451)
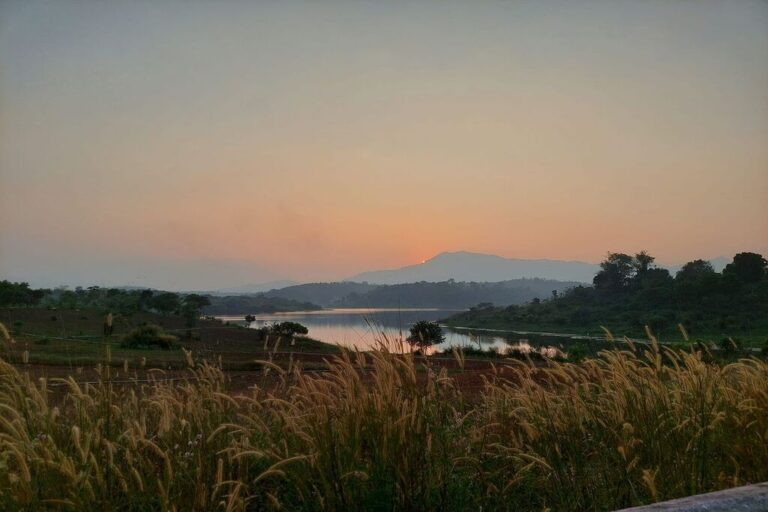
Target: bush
(730, 345)
(578, 351)
(148, 336)
(288, 329)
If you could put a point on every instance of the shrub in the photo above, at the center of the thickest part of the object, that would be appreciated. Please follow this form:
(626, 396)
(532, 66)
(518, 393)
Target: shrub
(288, 329)
(578, 351)
(148, 336)
(730, 345)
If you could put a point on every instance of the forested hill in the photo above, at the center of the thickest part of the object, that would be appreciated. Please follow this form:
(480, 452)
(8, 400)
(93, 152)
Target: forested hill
(455, 295)
(323, 294)
(249, 304)
(446, 294)
(629, 293)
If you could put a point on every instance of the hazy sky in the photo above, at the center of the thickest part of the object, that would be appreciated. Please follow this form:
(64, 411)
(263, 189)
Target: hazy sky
(206, 144)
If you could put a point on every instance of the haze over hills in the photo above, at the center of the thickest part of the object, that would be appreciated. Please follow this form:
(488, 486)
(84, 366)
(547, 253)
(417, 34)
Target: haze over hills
(255, 287)
(471, 266)
(444, 294)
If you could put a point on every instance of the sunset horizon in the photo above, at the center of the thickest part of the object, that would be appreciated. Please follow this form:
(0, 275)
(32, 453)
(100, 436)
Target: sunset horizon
(312, 143)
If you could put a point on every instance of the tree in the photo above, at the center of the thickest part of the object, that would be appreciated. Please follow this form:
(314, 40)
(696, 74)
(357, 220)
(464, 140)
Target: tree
(643, 262)
(193, 304)
(18, 294)
(694, 271)
(249, 319)
(288, 329)
(424, 334)
(615, 273)
(748, 267)
(144, 299)
(166, 302)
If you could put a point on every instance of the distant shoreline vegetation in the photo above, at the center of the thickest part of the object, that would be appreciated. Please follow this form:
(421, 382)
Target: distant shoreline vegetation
(448, 294)
(630, 293)
(126, 301)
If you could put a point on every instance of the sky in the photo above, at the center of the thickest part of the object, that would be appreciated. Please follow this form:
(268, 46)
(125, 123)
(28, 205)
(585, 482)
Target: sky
(198, 145)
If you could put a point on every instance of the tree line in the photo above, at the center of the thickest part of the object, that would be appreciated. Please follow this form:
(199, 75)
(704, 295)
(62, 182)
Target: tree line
(115, 300)
(630, 292)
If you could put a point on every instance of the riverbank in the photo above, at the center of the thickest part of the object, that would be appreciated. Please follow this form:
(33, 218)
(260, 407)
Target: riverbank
(494, 320)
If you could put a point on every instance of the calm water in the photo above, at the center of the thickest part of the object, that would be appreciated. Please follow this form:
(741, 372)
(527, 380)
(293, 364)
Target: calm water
(361, 328)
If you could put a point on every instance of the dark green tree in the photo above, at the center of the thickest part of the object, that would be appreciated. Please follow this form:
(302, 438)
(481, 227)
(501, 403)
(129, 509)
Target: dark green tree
(165, 302)
(643, 262)
(20, 294)
(616, 272)
(192, 306)
(748, 267)
(288, 329)
(424, 334)
(694, 271)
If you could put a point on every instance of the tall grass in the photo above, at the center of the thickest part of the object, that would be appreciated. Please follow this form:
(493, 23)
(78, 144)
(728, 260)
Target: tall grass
(388, 431)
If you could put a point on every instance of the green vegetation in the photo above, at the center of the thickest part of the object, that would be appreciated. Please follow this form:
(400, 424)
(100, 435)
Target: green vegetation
(629, 293)
(386, 431)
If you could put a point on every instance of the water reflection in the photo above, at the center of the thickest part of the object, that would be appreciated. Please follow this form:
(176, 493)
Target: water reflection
(363, 328)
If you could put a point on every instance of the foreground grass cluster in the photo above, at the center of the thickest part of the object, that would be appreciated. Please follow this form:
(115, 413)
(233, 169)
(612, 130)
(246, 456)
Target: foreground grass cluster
(384, 431)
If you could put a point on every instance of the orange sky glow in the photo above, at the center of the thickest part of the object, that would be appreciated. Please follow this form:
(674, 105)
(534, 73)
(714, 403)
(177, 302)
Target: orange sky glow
(314, 142)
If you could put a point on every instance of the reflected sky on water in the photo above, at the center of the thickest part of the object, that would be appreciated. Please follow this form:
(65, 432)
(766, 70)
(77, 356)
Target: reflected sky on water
(362, 328)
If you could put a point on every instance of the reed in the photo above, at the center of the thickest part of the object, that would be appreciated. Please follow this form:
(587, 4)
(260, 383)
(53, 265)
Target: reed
(386, 430)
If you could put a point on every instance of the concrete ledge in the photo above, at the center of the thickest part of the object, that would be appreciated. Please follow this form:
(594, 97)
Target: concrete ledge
(750, 498)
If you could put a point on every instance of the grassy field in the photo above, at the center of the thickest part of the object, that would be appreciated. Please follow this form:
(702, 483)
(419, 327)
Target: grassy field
(385, 431)
(74, 338)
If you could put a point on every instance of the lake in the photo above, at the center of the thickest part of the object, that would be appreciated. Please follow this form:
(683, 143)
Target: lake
(362, 328)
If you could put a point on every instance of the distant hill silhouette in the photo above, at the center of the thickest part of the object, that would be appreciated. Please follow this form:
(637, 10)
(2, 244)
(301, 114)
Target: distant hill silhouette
(455, 295)
(247, 289)
(470, 266)
(324, 294)
(445, 294)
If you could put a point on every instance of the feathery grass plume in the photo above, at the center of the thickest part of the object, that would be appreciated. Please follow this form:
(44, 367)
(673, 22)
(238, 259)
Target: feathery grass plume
(4, 332)
(188, 357)
(608, 334)
(387, 429)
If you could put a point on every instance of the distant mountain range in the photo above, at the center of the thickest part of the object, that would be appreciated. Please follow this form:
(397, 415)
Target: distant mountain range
(471, 266)
(478, 267)
(445, 294)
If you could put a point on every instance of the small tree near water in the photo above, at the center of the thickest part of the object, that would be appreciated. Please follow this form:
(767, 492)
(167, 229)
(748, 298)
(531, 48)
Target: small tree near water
(424, 334)
(288, 329)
